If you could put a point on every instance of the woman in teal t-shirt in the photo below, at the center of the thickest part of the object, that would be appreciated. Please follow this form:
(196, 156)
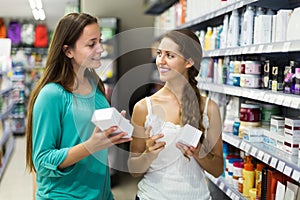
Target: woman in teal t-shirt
(64, 149)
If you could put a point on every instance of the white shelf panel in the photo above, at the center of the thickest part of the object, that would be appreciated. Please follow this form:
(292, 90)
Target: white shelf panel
(279, 98)
(221, 183)
(278, 159)
(274, 47)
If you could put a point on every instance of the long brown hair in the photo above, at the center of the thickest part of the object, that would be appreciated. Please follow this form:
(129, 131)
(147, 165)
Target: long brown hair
(58, 67)
(190, 47)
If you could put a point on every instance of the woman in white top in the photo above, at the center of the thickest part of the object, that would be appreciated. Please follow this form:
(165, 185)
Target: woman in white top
(170, 169)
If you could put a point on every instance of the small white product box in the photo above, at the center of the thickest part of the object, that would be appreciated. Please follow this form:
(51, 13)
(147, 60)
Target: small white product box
(190, 135)
(107, 117)
(252, 134)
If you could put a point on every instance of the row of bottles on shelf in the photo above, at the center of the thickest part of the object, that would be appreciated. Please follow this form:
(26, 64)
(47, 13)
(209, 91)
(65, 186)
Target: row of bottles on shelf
(253, 25)
(254, 179)
(250, 72)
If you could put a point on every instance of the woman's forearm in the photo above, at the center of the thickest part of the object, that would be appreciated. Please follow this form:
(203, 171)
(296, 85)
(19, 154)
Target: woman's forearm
(211, 163)
(139, 164)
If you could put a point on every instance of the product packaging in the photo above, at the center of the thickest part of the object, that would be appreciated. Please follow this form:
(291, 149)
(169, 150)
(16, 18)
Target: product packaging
(107, 117)
(190, 135)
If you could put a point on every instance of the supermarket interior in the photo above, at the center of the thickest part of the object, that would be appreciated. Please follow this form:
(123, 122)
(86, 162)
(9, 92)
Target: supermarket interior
(250, 67)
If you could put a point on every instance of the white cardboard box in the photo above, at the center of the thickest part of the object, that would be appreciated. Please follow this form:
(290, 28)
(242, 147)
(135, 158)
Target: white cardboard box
(107, 117)
(190, 135)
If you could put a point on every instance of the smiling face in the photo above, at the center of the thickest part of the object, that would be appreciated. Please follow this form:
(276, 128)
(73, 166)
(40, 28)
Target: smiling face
(170, 62)
(88, 48)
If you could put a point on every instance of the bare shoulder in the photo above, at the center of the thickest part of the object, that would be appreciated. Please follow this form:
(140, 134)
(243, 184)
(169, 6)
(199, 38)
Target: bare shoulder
(213, 110)
(139, 112)
(212, 107)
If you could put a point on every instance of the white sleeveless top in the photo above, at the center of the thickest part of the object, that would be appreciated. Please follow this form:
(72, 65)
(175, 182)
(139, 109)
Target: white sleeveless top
(172, 176)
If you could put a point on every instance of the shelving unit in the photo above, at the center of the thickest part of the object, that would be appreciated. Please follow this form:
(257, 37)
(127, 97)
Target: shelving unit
(283, 162)
(279, 98)
(225, 187)
(156, 7)
(280, 160)
(7, 141)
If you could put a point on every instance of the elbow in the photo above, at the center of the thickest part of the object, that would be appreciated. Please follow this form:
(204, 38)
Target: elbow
(218, 170)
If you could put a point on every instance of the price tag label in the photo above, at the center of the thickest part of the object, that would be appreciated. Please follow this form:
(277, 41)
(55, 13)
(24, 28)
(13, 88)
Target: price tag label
(279, 100)
(245, 50)
(252, 49)
(237, 51)
(267, 97)
(295, 102)
(232, 195)
(253, 151)
(260, 155)
(280, 166)
(287, 101)
(296, 175)
(272, 98)
(269, 48)
(266, 158)
(235, 142)
(242, 145)
(228, 192)
(221, 185)
(274, 162)
(286, 47)
(260, 48)
(287, 170)
(261, 96)
(245, 93)
(247, 148)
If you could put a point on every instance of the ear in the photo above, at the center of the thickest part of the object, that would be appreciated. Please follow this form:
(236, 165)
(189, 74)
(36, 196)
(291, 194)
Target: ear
(189, 63)
(67, 51)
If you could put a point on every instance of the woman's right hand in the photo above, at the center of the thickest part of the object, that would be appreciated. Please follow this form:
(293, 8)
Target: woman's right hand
(100, 140)
(152, 145)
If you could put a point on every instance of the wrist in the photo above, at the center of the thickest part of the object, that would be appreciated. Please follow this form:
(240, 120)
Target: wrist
(88, 146)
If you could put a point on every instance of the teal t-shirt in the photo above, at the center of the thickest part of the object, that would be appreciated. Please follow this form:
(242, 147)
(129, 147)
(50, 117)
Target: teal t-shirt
(62, 120)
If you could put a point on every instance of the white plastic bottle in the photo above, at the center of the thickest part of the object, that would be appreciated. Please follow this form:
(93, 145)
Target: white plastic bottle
(248, 26)
(233, 29)
(259, 11)
(223, 43)
(202, 38)
(213, 39)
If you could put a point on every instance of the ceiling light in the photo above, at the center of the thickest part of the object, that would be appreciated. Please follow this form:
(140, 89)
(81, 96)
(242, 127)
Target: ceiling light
(37, 9)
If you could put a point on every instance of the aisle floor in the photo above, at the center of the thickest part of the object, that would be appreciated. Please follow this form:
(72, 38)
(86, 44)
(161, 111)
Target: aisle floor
(16, 182)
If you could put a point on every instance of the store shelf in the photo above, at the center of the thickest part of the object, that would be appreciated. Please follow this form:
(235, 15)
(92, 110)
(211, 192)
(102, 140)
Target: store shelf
(279, 98)
(283, 162)
(159, 6)
(217, 13)
(7, 112)
(5, 137)
(2, 92)
(274, 47)
(221, 183)
(10, 143)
